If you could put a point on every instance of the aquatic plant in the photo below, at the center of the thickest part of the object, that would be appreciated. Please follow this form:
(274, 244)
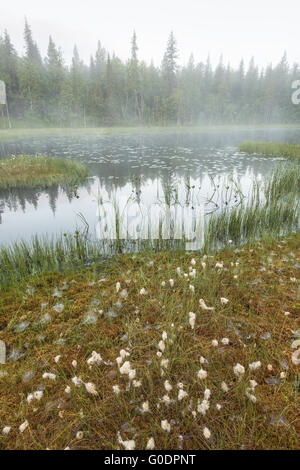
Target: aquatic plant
(42, 171)
(277, 149)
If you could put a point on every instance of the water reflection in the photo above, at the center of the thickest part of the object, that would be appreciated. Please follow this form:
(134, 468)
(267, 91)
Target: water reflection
(189, 168)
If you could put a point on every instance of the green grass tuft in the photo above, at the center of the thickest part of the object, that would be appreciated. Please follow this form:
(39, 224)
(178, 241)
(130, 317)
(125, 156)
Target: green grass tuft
(274, 149)
(24, 171)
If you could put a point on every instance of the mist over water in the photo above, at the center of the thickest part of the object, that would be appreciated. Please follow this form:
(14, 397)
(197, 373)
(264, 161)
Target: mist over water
(189, 168)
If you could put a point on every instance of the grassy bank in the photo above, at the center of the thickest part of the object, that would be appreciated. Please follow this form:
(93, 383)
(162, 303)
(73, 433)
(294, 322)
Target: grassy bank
(274, 149)
(14, 134)
(24, 171)
(137, 309)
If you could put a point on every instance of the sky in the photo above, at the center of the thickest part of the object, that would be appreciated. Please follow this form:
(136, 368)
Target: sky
(235, 28)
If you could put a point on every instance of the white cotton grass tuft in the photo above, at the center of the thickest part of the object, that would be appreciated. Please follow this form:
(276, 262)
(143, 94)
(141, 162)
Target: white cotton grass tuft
(132, 374)
(143, 291)
(57, 358)
(91, 388)
(94, 359)
(224, 301)
(145, 407)
(239, 370)
(296, 357)
(182, 394)
(74, 364)
(116, 389)
(203, 407)
(128, 445)
(166, 399)
(202, 374)
(165, 425)
(38, 395)
(77, 381)
(225, 341)
(161, 345)
(171, 282)
(224, 387)
(204, 306)
(164, 335)
(23, 426)
(6, 430)
(124, 353)
(118, 286)
(206, 433)
(192, 319)
(68, 390)
(150, 444)
(168, 386)
(254, 365)
(164, 363)
(214, 343)
(49, 375)
(203, 360)
(136, 383)
(79, 435)
(126, 368)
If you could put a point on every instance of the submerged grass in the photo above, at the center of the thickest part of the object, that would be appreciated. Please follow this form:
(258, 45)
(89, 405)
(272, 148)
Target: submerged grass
(138, 309)
(24, 171)
(277, 149)
(273, 209)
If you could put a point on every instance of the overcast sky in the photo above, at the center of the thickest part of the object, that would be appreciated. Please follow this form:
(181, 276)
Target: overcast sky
(236, 28)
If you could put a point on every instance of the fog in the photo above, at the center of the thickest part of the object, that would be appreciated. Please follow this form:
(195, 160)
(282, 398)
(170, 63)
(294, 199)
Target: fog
(233, 28)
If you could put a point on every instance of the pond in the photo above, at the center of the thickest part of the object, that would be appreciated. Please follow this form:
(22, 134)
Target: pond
(201, 170)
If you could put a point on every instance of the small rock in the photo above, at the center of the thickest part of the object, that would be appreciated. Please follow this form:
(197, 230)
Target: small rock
(112, 374)
(27, 376)
(277, 420)
(58, 308)
(266, 335)
(91, 318)
(272, 381)
(20, 327)
(45, 319)
(15, 355)
(111, 314)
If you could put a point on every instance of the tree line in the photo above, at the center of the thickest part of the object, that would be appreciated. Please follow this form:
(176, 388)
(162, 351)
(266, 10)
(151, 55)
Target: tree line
(109, 91)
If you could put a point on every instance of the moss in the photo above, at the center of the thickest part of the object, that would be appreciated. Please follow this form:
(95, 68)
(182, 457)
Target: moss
(258, 297)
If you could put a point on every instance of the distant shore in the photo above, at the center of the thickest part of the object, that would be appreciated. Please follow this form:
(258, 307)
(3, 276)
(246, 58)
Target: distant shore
(20, 133)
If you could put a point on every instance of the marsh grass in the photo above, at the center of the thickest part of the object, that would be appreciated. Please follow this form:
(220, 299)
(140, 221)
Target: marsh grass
(261, 283)
(42, 171)
(274, 149)
(271, 210)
